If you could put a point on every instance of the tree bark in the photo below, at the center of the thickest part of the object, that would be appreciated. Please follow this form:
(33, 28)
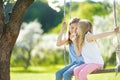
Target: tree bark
(1, 17)
(9, 33)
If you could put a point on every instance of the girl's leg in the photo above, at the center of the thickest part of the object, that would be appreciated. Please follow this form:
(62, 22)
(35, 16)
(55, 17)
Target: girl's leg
(69, 73)
(88, 69)
(59, 74)
(77, 70)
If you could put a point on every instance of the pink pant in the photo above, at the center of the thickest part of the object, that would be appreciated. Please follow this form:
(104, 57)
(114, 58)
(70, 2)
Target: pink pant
(83, 70)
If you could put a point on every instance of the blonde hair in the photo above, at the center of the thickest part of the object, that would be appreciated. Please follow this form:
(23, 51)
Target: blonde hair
(73, 20)
(84, 27)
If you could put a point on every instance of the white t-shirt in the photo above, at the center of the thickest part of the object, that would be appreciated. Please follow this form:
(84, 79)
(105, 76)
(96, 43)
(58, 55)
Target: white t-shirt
(91, 52)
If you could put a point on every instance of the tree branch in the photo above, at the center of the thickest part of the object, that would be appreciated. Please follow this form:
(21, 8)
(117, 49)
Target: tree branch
(1, 17)
(17, 15)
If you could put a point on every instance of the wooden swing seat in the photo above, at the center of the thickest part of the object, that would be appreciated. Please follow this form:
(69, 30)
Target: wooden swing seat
(105, 71)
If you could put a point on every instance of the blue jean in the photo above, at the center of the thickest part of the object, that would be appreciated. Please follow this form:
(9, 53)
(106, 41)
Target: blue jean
(67, 72)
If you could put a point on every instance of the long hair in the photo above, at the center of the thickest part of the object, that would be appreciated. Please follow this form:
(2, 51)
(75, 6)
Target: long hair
(84, 27)
(73, 20)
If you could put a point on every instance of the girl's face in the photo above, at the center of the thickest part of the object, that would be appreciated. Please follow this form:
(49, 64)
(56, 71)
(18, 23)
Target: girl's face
(73, 28)
(79, 31)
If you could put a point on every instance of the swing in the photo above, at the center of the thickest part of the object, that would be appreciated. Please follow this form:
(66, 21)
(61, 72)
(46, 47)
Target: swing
(117, 68)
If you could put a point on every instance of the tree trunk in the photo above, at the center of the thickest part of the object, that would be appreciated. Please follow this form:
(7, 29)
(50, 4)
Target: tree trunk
(28, 60)
(9, 33)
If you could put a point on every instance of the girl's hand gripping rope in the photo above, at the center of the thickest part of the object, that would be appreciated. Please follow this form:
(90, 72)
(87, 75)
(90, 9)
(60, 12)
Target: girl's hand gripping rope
(64, 25)
(116, 30)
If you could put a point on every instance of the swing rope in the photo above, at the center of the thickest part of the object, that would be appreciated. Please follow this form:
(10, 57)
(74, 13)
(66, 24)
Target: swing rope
(65, 61)
(64, 8)
(70, 10)
(118, 47)
(114, 10)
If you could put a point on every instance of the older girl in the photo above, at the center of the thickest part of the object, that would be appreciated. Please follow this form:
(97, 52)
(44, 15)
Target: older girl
(89, 50)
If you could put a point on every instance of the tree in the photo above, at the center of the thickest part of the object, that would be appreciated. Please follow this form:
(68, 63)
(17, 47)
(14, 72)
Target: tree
(8, 34)
(29, 37)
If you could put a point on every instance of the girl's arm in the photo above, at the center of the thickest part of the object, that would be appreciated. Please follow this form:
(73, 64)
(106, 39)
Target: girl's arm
(102, 35)
(77, 48)
(60, 40)
(75, 44)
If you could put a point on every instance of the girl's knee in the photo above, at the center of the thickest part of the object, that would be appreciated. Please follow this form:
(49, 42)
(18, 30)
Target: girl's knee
(83, 73)
(67, 74)
(75, 72)
(58, 73)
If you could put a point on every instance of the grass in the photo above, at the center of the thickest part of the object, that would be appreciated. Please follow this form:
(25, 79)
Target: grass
(34, 73)
(32, 76)
(48, 73)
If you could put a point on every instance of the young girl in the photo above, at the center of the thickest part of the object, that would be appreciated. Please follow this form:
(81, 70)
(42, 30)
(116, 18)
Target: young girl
(75, 58)
(89, 50)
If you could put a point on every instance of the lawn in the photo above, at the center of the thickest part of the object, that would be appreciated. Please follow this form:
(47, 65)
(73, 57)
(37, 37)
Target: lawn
(48, 73)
